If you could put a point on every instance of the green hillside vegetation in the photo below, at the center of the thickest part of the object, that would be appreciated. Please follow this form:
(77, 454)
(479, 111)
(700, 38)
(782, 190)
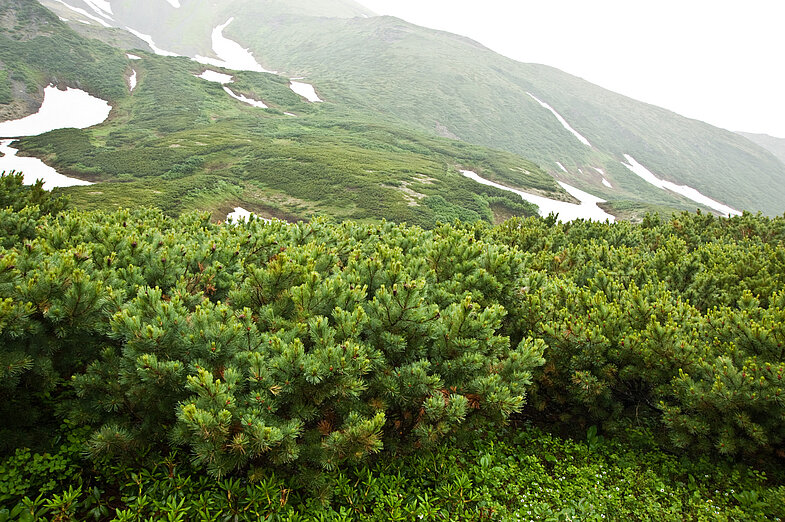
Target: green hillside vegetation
(181, 143)
(444, 83)
(6, 96)
(36, 49)
(378, 370)
(774, 145)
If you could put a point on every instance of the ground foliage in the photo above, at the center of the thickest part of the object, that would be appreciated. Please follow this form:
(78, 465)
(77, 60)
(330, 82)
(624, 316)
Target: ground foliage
(519, 473)
(317, 347)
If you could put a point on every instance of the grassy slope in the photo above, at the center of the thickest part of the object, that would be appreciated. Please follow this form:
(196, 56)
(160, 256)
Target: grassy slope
(449, 85)
(440, 81)
(181, 143)
(713, 160)
(36, 51)
(774, 145)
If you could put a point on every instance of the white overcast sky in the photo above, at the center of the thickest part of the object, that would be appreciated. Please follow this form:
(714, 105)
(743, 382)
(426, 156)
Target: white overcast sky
(719, 61)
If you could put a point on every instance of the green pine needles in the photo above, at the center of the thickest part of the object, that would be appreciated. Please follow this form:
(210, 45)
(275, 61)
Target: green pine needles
(271, 344)
(317, 345)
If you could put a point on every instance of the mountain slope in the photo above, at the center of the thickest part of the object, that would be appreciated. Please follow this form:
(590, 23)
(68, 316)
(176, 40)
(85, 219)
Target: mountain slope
(434, 79)
(451, 86)
(774, 145)
(180, 142)
(36, 51)
(187, 29)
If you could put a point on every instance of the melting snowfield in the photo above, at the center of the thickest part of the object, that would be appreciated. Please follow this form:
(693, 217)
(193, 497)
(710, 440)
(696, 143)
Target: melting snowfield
(240, 214)
(249, 101)
(71, 108)
(34, 169)
(132, 81)
(223, 79)
(305, 90)
(231, 55)
(214, 76)
(604, 181)
(561, 166)
(684, 190)
(149, 41)
(60, 109)
(101, 7)
(174, 3)
(133, 57)
(588, 208)
(561, 120)
(84, 13)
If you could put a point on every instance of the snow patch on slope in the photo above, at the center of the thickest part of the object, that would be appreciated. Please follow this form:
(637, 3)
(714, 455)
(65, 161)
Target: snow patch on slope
(249, 101)
(224, 79)
(132, 81)
(231, 55)
(240, 214)
(561, 120)
(174, 3)
(214, 76)
(561, 166)
(84, 13)
(305, 90)
(684, 190)
(60, 109)
(133, 57)
(604, 181)
(587, 209)
(101, 7)
(34, 169)
(149, 41)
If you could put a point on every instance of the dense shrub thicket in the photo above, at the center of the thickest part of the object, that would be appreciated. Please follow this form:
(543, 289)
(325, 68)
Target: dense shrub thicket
(274, 343)
(313, 346)
(323, 342)
(678, 324)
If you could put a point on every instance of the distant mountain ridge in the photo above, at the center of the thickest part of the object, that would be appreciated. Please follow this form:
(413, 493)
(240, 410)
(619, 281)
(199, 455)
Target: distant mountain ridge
(430, 79)
(185, 26)
(773, 144)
